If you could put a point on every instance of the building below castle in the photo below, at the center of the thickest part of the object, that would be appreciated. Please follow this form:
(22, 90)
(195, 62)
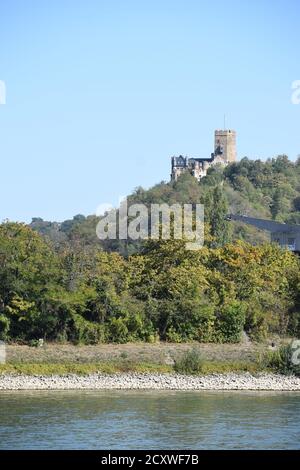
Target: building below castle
(224, 153)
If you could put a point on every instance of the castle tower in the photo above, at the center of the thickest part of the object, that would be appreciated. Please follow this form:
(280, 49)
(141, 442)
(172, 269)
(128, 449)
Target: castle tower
(225, 145)
(224, 153)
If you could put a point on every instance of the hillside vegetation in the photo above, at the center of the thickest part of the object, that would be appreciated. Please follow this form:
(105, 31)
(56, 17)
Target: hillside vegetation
(59, 282)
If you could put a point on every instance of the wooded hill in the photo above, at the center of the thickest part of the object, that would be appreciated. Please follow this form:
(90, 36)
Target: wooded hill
(268, 189)
(59, 282)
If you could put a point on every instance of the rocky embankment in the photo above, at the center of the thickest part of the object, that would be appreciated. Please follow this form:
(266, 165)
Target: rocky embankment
(133, 381)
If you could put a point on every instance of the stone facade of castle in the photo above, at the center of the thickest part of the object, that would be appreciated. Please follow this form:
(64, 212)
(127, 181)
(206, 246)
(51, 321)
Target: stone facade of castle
(224, 153)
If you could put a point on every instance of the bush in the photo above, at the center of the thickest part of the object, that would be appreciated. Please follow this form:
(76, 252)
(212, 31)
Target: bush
(4, 327)
(33, 343)
(172, 336)
(118, 331)
(282, 360)
(206, 324)
(231, 323)
(190, 363)
(87, 332)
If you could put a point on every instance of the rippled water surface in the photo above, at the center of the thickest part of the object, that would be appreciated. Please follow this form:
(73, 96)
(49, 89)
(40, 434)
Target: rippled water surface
(149, 420)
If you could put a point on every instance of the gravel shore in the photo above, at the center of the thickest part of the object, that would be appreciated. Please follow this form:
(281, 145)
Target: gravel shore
(125, 381)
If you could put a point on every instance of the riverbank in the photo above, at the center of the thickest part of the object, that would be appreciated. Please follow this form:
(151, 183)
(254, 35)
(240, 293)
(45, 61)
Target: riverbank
(153, 381)
(155, 353)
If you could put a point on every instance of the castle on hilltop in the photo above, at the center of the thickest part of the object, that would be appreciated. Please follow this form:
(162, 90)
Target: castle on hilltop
(225, 152)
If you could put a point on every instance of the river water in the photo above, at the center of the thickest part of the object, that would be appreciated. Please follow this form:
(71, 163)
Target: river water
(149, 420)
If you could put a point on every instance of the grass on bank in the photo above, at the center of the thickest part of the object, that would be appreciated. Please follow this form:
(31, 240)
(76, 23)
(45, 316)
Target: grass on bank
(283, 360)
(81, 369)
(192, 363)
(207, 367)
(189, 363)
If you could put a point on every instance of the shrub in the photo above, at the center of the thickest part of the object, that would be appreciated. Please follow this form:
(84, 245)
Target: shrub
(282, 360)
(231, 322)
(206, 324)
(256, 324)
(190, 363)
(4, 327)
(33, 343)
(118, 331)
(152, 338)
(87, 332)
(173, 336)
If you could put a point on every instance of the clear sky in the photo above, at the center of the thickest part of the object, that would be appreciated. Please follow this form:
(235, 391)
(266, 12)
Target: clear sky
(100, 94)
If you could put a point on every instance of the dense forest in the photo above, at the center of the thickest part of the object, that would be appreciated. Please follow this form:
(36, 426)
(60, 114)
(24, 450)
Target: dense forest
(60, 283)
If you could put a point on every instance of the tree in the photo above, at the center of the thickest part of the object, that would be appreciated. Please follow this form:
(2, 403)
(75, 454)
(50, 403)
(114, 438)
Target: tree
(216, 210)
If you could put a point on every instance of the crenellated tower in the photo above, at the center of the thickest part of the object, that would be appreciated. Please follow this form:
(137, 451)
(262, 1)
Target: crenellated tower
(224, 153)
(225, 145)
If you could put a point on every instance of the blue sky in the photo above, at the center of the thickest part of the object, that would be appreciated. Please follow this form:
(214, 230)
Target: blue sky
(100, 94)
